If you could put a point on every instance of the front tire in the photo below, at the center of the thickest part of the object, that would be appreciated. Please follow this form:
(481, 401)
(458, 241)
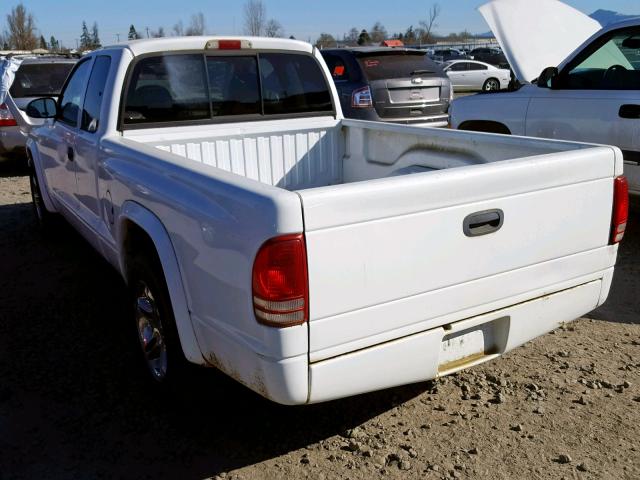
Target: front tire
(491, 85)
(158, 341)
(44, 217)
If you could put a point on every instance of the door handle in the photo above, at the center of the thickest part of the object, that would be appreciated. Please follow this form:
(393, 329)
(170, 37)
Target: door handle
(483, 223)
(70, 154)
(629, 111)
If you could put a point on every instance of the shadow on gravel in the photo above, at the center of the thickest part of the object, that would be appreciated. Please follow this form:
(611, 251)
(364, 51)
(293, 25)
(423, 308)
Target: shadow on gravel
(623, 304)
(13, 167)
(73, 406)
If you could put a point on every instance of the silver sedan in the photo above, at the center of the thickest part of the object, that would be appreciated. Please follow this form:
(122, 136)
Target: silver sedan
(473, 75)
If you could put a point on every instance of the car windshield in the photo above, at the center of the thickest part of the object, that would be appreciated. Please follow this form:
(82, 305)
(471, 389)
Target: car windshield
(40, 79)
(396, 64)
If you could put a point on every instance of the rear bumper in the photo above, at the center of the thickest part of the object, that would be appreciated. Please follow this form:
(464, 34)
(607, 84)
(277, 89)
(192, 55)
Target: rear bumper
(410, 359)
(418, 357)
(12, 143)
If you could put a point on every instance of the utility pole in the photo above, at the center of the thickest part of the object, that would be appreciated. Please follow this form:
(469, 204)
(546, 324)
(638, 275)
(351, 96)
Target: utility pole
(117, 38)
(77, 44)
(147, 31)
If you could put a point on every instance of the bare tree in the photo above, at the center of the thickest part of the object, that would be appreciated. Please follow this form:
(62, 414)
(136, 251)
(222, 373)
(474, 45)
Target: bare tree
(178, 29)
(378, 33)
(325, 40)
(22, 27)
(197, 25)
(255, 15)
(273, 29)
(430, 23)
(351, 38)
(158, 33)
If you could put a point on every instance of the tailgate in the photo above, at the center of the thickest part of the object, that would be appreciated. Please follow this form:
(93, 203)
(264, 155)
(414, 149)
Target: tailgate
(394, 256)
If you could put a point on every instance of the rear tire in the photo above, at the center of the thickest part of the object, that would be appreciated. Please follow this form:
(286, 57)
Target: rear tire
(154, 322)
(491, 85)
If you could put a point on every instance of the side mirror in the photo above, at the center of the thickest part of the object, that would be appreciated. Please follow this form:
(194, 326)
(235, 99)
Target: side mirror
(547, 77)
(42, 108)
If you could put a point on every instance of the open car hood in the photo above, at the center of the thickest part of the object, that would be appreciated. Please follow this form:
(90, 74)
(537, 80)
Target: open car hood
(537, 34)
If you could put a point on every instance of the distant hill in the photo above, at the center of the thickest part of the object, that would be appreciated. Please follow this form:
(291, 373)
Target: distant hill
(606, 17)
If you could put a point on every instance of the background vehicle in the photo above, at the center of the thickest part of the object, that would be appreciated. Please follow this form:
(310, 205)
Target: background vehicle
(592, 96)
(492, 56)
(397, 85)
(308, 256)
(447, 54)
(472, 75)
(36, 77)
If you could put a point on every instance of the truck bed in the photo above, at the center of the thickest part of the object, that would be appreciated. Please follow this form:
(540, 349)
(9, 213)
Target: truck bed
(311, 153)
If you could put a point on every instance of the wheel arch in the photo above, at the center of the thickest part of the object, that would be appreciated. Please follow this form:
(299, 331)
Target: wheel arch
(487, 126)
(139, 227)
(44, 188)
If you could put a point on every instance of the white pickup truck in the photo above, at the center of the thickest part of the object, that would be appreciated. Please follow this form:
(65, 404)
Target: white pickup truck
(308, 256)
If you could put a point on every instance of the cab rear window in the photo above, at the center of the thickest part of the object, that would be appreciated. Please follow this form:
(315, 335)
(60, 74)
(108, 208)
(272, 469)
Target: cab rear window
(195, 87)
(397, 64)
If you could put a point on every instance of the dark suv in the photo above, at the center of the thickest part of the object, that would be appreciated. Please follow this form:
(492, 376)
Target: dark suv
(385, 84)
(491, 56)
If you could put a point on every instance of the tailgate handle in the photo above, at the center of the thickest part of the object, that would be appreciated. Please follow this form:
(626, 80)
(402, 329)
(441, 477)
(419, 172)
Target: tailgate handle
(483, 223)
(629, 111)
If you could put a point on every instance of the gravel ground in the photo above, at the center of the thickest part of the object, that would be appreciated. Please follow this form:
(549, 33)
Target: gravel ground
(71, 406)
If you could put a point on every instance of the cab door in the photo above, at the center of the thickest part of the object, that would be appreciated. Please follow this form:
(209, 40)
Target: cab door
(87, 146)
(57, 144)
(596, 98)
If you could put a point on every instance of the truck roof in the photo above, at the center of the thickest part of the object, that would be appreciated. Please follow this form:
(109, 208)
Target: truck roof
(167, 44)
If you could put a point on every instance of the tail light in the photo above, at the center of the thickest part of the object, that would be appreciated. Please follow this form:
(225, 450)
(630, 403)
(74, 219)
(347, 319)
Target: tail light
(6, 118)
(620, 209)
(280, 284)
(361, 98)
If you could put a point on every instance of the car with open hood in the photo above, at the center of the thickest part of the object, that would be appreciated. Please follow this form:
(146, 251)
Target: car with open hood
(579, 81)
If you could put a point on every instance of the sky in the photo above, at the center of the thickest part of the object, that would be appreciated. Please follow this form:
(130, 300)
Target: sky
(304, 19)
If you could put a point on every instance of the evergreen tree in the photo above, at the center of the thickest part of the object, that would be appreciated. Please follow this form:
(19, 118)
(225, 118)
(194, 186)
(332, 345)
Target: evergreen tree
(85, 37)
(95, 38)
(53, 43)
(43, 42)
(133, 35)
(364, 38)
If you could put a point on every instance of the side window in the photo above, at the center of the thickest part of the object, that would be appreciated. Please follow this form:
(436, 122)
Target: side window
(72, 95)
(234, 86)
(167, 88)
(293, 83)
(612, 64)
(459, 67)
(337, 67)
(95, 93)
(477, 66)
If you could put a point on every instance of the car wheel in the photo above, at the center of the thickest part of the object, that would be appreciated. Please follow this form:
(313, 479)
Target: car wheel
(154, 323)
(491, 85)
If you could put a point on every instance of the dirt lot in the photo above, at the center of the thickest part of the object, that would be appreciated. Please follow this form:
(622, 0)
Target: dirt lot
(71, 406)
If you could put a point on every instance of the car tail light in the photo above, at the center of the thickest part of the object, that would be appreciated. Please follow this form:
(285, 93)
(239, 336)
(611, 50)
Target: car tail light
(280, 284)
(6, 118)
(620, 209)
(228, 44)
(361, 98)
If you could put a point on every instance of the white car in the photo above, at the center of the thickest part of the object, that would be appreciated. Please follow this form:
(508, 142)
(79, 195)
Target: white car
(593, 95)
(308, 256)
(471, 75)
